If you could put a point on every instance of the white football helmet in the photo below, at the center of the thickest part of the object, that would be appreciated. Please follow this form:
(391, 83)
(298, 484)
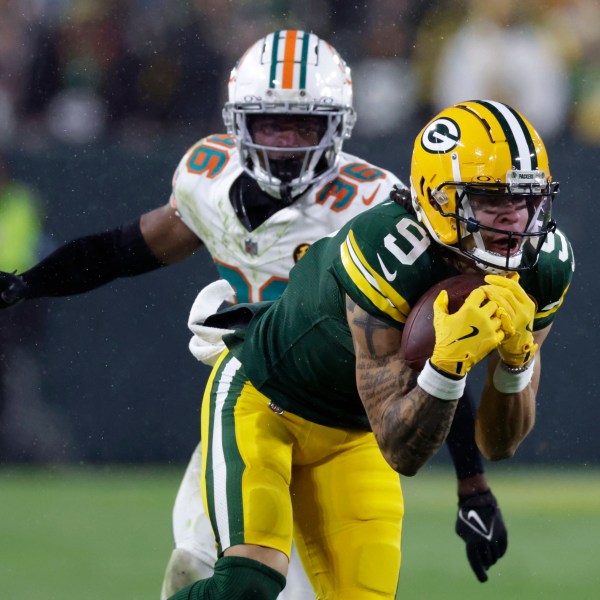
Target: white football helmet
(290, 73)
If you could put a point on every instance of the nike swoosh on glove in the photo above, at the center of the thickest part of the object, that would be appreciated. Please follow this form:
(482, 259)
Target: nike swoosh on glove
(480, 524)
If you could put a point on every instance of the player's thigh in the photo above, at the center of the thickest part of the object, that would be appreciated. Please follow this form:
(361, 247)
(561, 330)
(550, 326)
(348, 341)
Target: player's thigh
(247, 454)
(348, 521)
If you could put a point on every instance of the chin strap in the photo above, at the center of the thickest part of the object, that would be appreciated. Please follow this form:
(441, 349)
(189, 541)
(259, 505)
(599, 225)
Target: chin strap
(286, 169)
(285, 194)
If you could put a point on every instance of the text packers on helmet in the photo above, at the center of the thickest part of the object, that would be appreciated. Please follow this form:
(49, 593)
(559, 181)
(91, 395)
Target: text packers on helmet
(292, 73)
(486, 150)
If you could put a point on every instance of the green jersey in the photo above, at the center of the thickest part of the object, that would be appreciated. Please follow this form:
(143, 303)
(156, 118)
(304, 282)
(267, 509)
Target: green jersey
(299, 350)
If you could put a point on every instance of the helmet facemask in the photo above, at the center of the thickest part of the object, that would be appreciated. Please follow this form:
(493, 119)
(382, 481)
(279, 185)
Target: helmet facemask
(289, 176)
(495, 249)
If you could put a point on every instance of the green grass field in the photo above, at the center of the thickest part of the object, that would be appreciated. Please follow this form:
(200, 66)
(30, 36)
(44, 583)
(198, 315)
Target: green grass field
(104, 533)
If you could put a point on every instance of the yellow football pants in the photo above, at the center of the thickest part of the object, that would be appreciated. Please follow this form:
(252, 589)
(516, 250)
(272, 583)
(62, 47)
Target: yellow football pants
(269, 476)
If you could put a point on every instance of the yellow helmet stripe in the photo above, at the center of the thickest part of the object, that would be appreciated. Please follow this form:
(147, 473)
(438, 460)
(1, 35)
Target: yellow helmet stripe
(370, 283)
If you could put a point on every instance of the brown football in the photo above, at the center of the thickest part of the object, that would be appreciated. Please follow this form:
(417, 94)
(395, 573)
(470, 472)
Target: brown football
(418, 337)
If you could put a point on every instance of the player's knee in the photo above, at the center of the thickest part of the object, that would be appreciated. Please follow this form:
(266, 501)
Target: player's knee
(183, 568)
(379, 566)
(236, 578)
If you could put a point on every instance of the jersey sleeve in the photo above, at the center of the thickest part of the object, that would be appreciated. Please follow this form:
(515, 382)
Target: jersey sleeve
(552, 278)
(181, 195)
(202, 165)
(372, 184)
(384, 264)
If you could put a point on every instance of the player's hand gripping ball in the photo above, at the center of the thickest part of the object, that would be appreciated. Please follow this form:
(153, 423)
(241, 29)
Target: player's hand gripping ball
(418, 337)
(518, 347)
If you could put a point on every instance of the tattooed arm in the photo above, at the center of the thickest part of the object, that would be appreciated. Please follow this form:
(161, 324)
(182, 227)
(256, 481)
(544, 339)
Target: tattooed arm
(409, 424)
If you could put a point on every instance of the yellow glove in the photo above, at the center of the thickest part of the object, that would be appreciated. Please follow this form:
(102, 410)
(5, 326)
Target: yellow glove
(467, 336)
(518, 347)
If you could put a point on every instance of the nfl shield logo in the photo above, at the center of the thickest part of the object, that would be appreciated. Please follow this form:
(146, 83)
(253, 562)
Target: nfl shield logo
(251, 247)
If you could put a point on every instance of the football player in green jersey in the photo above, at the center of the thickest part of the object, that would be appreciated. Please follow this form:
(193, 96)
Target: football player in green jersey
(311, 412)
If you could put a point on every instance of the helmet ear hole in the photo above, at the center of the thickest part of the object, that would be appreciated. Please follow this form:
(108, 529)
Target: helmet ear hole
(432, 200)
(437, 199)
(421, 186)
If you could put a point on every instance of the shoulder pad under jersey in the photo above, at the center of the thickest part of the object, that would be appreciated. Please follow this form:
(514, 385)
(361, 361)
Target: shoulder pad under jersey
(387, 262)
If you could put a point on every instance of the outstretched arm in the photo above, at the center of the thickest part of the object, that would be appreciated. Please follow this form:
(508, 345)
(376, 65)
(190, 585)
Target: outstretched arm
(168, 238)
(479, 521)
(409, 424)
(159, 238)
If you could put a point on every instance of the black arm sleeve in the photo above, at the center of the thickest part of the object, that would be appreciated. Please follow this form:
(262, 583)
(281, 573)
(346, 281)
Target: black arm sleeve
(461, 439)
(89, 262)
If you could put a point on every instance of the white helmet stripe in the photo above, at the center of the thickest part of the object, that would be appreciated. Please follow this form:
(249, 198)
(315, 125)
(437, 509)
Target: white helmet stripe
(517, 135)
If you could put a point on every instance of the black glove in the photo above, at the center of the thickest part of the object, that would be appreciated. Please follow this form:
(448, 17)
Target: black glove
(13, 289)
(479, 523)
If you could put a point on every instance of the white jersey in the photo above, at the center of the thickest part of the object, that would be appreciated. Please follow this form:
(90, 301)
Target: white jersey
(257, 263)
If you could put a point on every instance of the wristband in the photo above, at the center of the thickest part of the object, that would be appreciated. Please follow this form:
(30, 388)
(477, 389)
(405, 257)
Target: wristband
(439, 385)
(512, 380)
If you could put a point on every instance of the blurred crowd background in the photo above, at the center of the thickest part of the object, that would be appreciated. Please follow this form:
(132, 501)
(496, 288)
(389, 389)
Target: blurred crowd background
(129, 71)
(99, 99)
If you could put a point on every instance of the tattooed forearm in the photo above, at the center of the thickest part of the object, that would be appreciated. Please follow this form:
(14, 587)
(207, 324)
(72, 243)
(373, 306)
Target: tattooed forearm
(415, 427)
(381, 381)
(409, 424)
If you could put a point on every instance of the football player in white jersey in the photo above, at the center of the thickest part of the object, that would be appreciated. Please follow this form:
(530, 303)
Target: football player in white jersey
(257, 197)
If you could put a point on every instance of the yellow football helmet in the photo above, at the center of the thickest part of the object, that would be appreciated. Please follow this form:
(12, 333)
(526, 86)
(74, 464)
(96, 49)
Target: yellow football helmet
(471, 160)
